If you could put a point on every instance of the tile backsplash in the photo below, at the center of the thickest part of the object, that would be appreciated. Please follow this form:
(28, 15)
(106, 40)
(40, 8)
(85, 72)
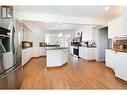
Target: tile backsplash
(120, 44)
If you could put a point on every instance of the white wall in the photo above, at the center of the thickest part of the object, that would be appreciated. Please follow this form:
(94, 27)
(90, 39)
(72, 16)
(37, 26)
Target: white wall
(51, 39)
(36, 37)
(65, 41)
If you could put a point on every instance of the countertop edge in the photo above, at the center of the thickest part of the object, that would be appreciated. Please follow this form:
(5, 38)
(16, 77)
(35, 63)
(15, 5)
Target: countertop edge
(56, 48)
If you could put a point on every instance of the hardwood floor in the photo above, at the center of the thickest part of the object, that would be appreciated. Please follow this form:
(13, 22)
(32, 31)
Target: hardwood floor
(76, 74)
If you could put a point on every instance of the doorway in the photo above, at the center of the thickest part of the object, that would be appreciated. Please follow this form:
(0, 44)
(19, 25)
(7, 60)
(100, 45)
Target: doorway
(103, 43)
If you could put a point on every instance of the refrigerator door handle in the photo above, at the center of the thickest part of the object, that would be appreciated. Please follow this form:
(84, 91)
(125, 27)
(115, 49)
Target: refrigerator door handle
(14, 43)
(10, 72)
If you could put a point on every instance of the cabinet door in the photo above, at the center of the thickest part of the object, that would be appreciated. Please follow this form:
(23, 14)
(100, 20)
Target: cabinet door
(121, 65)
(115, 27)
(124, 33)
(109, 58)
(81, 52)
(66, 55)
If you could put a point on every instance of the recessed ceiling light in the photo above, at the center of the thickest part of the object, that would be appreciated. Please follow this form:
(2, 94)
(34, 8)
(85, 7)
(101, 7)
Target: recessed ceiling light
(107, 8)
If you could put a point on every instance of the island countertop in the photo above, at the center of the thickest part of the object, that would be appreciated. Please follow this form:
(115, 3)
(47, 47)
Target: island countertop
(56, 48)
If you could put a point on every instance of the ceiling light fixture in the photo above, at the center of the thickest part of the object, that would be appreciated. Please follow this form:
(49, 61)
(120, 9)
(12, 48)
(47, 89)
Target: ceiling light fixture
(107, 8)
(60, 35)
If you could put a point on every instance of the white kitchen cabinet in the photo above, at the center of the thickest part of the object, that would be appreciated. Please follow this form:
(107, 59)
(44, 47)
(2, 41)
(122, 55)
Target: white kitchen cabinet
(115, 27)
(125, 22)
(88, 34)
(65, 55)
(71, 49)
(117, 61)
(56, 57)
(87, 53)
(121, 65)
(110, 58)
(26, 55)
(42, 51)
(36, 51)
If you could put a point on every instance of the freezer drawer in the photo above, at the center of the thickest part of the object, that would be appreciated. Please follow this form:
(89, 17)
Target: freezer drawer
(12, 79)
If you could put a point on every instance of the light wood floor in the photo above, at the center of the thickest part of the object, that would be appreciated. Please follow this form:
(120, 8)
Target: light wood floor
(76, 74)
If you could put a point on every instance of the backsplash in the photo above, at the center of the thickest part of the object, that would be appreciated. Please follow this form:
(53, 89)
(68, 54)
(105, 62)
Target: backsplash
(120, 44)
(26, 44)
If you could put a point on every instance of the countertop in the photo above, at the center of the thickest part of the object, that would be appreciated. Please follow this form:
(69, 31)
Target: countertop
(26, 48)
(55, 48)
(88, 47)
(119, 50)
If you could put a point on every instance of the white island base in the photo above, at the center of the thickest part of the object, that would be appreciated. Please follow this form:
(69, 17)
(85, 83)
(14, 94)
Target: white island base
(56, 57)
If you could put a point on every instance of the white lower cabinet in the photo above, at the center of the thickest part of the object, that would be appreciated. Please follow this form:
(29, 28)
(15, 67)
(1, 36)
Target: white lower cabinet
(71, 49)
(109, 58)
(42, 51)
(87, 53)
(121, 65)
(57, 57)
(26, 55)
(118, 62)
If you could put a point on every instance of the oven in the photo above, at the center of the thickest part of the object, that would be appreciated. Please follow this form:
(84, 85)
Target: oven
(76, 51)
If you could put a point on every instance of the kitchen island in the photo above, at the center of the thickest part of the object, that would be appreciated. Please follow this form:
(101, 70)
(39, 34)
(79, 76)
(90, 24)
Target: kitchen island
(56, 56)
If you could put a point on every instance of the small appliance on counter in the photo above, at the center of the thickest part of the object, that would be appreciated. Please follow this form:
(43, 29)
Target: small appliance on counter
(88, 44)
(42, 44)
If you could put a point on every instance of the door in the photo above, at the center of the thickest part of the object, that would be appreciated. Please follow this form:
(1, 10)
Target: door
(17, 43)
(11, 79)
(16, 49)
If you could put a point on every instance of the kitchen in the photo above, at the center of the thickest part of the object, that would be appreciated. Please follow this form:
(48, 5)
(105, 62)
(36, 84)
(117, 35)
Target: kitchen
(72, 48)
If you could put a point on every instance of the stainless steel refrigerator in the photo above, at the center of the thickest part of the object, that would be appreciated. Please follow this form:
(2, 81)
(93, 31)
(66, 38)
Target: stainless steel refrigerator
(10, 56)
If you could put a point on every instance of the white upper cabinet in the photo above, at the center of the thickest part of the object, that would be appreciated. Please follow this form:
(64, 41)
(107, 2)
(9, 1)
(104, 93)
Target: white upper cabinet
(125, 22)
(88, 34)
(118, 26)
(115, 27)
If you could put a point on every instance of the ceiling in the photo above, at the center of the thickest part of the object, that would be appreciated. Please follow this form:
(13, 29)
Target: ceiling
(52, 26)
(74, 11)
